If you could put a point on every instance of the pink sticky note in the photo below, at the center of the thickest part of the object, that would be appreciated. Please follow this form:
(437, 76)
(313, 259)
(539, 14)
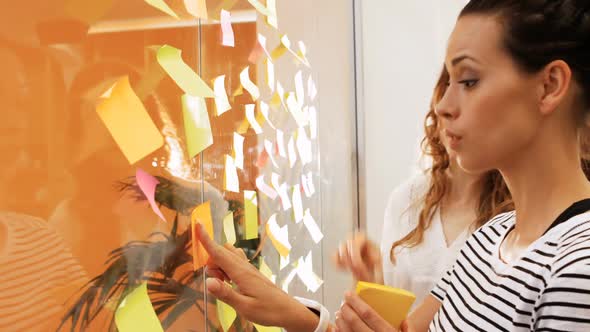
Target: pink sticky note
(147, 183)
(226, 29)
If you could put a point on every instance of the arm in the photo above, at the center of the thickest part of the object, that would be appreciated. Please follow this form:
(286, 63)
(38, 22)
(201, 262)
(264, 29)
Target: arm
(421, 317)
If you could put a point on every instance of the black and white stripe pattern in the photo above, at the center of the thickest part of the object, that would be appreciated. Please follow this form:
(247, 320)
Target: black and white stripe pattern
(547, 289)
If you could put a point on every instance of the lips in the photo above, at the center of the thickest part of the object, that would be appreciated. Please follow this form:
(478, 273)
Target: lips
(452, 135)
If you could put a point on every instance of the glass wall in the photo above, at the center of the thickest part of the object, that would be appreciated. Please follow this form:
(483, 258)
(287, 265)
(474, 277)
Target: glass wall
(124, 123)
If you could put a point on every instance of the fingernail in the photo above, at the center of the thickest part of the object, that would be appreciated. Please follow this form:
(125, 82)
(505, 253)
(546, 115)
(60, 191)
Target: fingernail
(213, 285)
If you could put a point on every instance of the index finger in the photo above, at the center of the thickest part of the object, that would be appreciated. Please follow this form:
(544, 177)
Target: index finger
(367, 314)
(221, 256)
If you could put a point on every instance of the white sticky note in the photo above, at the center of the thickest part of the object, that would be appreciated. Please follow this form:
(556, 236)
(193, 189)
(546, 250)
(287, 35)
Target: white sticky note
(284, 195)
(307, 275)
(229, 229)
(248, 84)
(297, 204)
(292, 153)
(270, 74)
(265, 189)
(283, 262)
(311, 88)
(304, 146)
(310, 182)
(250, 115)
(231, 180)
(271, 19)
(268, 147)
(281, 143)
(299, 89)
(264, 109)
(221, 101)
(312, 227)
(262, 42)
(305, 186)
(288, 280)
(281, 93)
(313, 122)
(295, 110)
(226, 29)
(239, 150)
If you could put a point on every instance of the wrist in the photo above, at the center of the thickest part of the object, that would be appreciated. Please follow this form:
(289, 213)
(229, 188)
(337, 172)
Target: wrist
(301, 319)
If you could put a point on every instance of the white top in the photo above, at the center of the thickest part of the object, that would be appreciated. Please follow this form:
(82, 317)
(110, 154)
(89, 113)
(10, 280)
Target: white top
(546, 289)
(419, 268)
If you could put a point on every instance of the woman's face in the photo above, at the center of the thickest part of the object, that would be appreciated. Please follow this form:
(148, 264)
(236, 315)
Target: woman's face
(489, 112)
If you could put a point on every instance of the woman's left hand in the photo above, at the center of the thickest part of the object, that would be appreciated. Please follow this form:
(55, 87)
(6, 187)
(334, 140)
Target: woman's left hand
(355, 315)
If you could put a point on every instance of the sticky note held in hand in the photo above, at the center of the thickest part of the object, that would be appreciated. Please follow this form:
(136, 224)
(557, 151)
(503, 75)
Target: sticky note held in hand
(393, 304)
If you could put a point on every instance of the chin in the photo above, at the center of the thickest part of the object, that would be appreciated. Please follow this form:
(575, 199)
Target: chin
(473, 165)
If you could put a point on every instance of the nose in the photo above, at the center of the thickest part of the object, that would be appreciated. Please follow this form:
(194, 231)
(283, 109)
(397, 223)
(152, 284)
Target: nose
(447, 108)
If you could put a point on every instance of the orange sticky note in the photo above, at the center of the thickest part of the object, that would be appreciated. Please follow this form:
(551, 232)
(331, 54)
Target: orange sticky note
(201, 215)
(128, 121)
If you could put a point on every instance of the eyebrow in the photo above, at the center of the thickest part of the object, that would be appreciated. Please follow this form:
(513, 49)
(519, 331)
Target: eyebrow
(458, 59)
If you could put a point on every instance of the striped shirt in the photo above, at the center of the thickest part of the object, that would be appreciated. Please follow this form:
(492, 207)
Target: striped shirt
(546, 289)
(37, 274)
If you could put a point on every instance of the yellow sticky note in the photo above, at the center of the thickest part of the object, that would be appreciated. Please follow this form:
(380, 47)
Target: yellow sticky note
(170, 59)
(221, 102)
(196, 124)
(261, 328)
(251, 212)
(266, 271)
(279, 236)
(197, 8)
(201, 215)
(136, 313)
(271, 19)
(128, 122)
(229, 229)
(248, 84)
(260, 7)
(231, 182)
(393, 304)
(89, 11)
(226, 315)
(161, 5)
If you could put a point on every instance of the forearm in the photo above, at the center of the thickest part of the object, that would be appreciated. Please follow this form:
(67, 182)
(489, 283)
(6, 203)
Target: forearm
(300, 318)
(419, 320)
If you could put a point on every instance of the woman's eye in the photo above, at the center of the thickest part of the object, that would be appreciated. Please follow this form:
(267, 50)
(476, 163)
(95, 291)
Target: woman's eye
(469, 83)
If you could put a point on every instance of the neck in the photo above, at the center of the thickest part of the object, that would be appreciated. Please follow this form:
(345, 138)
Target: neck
(544, 180)
(465, 187)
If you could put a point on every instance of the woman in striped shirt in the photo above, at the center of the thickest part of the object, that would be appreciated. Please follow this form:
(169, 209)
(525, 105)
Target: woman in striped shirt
(518, 100)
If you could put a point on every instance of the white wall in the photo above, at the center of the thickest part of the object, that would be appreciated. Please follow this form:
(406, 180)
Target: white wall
(402, 51)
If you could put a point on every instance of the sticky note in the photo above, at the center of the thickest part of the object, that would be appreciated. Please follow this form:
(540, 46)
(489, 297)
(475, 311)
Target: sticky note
(147, 183)
(229, 229)
(258, 50)
(196, 124)
(128, 122)
(304, 146)
(261, 328)
(251, 116)
(221, 101)
(262, 159)
(227, 31)
(297, 204)
(231, 181)
(311, 88)
(302, 54)
(265, 188)
(306, 274)
(161, 5)
(299, 89)
(393, 304)
(270, 75)
(248, 84)
(251, 213)
(312, 227)
(281, 143)
(313, 122)
(88, 11)
(283, 262)
(287, 281)
(279, 51)
(291, 151)
(266, 271)
(282, 191)
(259, 7)
(279, 236)
(201, 215)
(170, 59)
(197, 8)
(136, 313)
(295, 110)
(264, 110)
(226, 315)
(271, 19)
(238, 149)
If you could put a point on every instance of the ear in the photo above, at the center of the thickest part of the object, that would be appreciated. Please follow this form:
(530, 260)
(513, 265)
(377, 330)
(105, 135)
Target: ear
(556, 79)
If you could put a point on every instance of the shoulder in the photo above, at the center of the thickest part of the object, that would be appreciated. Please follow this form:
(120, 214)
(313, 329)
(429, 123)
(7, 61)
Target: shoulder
(572, 246)
(409, 190)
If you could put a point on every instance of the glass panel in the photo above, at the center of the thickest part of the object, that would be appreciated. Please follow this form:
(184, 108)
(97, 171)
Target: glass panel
(99, 138)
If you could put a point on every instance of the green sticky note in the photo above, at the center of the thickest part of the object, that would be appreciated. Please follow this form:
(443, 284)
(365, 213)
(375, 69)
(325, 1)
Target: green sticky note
(197, 127)
(226, 315)
(170, 59)
(136, 313)
(229, 229)
(161, 5)
(261, 328)
(251, 211)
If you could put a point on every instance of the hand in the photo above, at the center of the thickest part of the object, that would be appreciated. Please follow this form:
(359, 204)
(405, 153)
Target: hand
(357, 316)
(256, 298)
(360, 256)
